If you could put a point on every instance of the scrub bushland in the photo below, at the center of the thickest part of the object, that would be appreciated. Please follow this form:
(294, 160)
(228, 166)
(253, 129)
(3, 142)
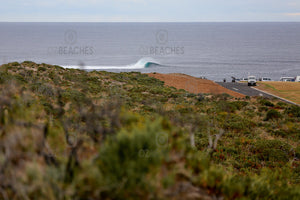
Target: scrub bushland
(72, 134)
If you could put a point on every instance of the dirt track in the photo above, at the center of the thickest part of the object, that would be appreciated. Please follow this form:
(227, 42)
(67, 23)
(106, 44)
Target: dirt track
(194, 85)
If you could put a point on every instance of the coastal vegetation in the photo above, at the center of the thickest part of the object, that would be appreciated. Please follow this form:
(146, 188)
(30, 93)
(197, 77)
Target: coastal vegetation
(73, 134)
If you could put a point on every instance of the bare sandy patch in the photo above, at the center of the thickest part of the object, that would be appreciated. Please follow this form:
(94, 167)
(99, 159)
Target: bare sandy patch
(193, 84)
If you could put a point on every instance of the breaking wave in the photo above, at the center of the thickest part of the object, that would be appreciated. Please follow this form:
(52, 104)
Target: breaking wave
(141, 64)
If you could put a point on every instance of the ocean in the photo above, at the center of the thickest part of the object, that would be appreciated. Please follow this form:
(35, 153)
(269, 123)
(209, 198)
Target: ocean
(212, 50)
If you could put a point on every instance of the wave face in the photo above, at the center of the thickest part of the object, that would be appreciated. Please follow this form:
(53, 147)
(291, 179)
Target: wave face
(141, 64)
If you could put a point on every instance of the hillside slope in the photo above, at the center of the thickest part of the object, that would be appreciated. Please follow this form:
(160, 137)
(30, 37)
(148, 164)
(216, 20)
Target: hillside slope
(194, 85)
(72, 134)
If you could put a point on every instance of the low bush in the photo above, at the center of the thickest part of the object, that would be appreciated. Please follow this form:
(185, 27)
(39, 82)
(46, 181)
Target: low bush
(265, 102)
(294, 111)
(131, 155)
(74, 96)
(297, 152)
(14, 64)
(281, 133)
(42, 69)
(273, 115)
(272, 150)
(238, 124)
(239, 104)
(42, 89)
(4, 76)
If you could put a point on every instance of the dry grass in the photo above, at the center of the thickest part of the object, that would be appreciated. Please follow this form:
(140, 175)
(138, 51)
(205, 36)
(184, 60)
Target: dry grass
(287, 90)
(194, 85)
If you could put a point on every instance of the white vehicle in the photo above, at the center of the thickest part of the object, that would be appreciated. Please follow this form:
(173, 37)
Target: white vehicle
(287, 79)
(297, 79)
(251, 81)
(266, 79)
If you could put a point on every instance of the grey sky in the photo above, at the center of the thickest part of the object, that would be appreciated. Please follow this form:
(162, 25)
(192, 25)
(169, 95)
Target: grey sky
(149, 10)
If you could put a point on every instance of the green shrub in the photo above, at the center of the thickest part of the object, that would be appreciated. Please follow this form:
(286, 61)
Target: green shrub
(281, 104)
(239, 124)
(265, 102)
(239, 104)
(50, 110)
(280, 133)
(297, 152)
(293, 111)
(4, 76)
(262, 109)
(223, 96)
(28, 62)
(128, 160)
(73, 95)
(201, 140)
(14, 64)
(225, 106)
(144, 79)
(43, 89)
(273, 114)
(272, 150)
(42, 69)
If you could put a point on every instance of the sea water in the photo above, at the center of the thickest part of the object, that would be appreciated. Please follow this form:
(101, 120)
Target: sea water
(213, 50)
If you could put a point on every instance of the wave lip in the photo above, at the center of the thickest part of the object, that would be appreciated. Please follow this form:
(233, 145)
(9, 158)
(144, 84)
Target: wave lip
(145, 63)
(141, 64)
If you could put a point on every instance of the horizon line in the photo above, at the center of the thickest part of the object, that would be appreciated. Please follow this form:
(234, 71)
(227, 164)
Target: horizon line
(150, 22)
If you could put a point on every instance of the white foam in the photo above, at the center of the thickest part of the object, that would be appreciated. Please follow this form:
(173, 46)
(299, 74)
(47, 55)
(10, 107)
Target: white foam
(142, 63)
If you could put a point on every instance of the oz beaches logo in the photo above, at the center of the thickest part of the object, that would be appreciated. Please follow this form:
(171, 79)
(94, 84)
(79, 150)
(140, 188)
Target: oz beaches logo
(71, 46)
(162, 47)
(70, 37)
(162, 37)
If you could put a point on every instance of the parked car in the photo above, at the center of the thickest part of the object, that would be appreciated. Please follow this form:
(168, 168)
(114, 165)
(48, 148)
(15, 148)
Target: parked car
(251, 81)
(266, 79)
(287, 79)
(297, 79)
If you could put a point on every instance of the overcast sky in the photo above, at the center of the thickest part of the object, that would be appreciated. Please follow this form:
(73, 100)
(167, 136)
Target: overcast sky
(149, 10)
